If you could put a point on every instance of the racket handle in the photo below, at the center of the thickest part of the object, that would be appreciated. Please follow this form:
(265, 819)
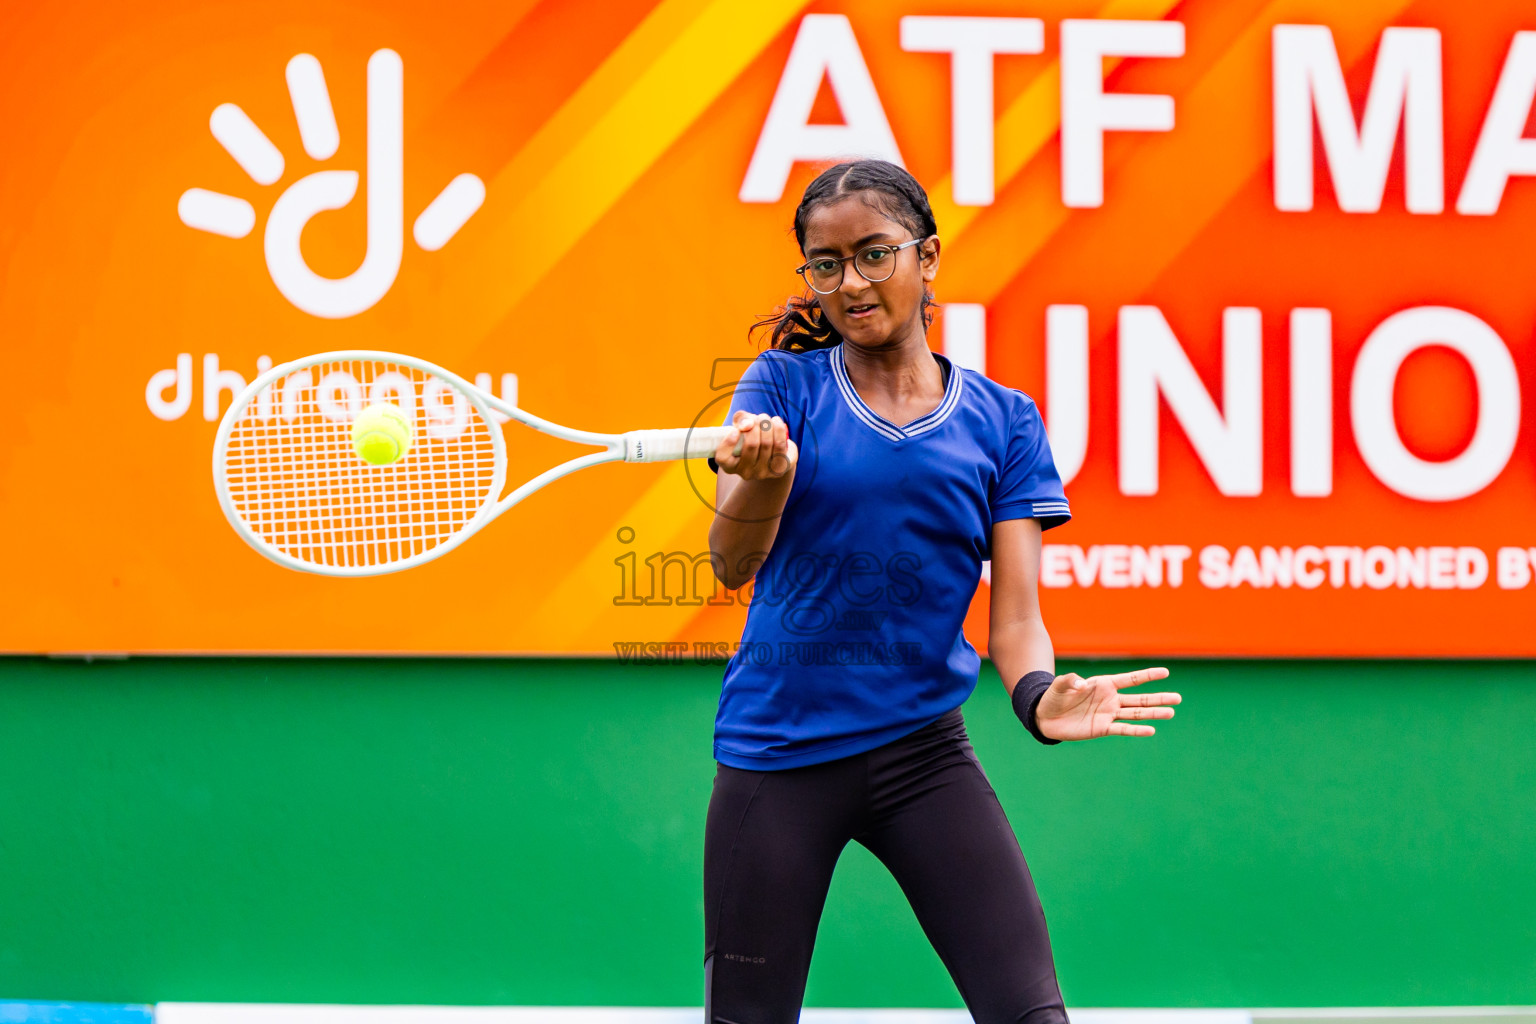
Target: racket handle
(678, 443)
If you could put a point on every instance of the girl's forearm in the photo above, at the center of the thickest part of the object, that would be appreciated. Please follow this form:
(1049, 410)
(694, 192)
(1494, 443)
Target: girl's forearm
(1018, 648)
(745, 526)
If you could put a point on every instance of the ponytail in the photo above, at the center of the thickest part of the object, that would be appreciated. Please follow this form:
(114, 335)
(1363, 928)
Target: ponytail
(798, 326)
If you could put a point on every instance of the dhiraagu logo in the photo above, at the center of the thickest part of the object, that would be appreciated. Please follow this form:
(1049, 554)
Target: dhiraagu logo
(234, 217)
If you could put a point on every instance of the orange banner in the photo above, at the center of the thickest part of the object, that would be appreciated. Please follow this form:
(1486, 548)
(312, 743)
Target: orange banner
(1265, 267)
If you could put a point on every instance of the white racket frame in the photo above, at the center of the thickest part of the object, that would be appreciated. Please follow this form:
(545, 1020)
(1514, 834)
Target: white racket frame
(631, 446)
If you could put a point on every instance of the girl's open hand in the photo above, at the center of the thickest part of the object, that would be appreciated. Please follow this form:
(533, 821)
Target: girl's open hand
(1075, 708)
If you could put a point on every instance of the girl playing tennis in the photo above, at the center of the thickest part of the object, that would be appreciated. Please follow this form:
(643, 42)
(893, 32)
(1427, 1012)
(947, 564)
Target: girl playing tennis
(866, 481)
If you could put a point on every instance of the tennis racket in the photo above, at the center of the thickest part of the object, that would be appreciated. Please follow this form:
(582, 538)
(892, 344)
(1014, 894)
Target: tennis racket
(292, 486)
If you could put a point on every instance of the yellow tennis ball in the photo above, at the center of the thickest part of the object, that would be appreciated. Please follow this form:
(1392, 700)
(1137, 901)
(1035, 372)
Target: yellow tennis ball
(382, 434)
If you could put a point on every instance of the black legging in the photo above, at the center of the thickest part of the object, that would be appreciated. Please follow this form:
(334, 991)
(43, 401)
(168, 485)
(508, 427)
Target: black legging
(923, 806)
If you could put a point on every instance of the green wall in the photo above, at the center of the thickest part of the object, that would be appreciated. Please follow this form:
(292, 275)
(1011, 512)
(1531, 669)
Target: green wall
(502, 832)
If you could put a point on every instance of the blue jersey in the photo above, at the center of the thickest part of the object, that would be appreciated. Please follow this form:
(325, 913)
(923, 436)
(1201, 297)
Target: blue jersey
(853, 635)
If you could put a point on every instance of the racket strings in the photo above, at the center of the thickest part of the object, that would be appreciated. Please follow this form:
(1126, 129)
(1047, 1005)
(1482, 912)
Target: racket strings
(295, 481)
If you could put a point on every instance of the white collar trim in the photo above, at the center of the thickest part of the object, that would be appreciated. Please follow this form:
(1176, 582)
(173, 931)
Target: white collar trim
(879, 423)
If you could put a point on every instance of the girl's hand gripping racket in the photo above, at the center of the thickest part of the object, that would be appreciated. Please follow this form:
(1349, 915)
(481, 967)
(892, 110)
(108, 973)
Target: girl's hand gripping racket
(291, 483)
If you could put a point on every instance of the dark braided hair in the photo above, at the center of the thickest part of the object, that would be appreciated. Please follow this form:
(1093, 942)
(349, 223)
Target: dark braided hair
(800, 325)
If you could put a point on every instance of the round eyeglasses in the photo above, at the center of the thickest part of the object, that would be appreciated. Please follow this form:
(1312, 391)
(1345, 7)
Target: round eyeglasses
(875, 263)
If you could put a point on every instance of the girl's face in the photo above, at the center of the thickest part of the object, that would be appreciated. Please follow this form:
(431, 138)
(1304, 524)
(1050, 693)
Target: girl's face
(880, 315)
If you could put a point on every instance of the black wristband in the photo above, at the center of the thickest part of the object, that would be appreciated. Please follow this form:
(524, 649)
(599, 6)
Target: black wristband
(1026, 698)
(714, 467)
